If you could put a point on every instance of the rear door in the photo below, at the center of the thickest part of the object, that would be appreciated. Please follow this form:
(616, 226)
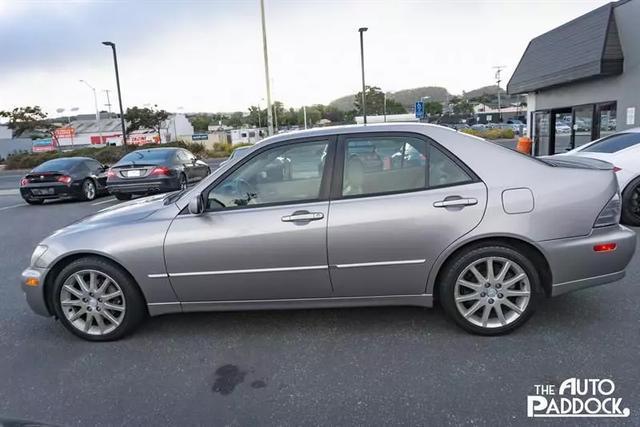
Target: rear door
(387, 225)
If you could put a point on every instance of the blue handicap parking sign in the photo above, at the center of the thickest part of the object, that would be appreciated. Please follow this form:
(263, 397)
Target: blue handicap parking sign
(419, 109)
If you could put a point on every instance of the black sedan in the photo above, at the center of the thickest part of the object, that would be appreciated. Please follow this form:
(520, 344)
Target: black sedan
(154, 170)
(80, 178)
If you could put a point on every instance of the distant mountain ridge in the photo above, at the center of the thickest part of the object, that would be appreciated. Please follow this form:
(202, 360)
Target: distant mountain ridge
(408, 97)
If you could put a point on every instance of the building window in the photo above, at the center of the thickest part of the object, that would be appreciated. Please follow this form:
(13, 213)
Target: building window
(606, 116)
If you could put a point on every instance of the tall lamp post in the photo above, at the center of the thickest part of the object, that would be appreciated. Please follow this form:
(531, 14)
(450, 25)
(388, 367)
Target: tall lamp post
(364, 105)
(266, 71)
(95, 101)
(115, 64)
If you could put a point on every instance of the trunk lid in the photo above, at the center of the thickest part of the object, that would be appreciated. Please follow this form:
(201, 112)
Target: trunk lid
(576, 162)
(37, 178)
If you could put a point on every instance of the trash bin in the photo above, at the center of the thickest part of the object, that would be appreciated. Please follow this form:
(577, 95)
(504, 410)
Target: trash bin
(524, 145)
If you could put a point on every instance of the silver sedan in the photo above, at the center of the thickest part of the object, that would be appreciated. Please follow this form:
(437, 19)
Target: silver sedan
(393, 214)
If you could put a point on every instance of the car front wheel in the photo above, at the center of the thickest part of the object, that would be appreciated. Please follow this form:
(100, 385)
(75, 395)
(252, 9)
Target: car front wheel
(88, 190)
(97, 300)
(490, 290)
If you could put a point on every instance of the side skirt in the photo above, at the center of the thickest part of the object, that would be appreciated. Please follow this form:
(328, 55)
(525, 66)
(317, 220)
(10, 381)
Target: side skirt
(424, 300)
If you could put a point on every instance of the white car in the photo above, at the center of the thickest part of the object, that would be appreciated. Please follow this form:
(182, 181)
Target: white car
(622, 149)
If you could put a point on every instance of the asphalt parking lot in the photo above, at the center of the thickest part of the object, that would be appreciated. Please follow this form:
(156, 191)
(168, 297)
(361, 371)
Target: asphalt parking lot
(365, 366)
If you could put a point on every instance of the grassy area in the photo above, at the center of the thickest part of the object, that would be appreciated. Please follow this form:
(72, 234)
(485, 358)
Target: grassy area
(109, 155)
(492, 133)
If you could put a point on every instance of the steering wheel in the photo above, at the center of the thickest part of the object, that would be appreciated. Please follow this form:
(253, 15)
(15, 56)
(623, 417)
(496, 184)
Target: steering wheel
(244, 189)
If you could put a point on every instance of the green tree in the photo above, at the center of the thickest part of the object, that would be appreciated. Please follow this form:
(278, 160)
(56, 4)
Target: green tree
(375, 102)
(235, 120)
(145, 118)
(462, 107)
(334, 114)
(433, 108)
(201, 122)
(313, 116)
(28, 119)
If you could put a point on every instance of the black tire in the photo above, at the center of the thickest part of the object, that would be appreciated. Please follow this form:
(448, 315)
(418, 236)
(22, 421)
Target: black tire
(455, 267)
(631, 203)
(183, 182)
(123, 196)
(208, 172)
(135, 304)
(88, 190)
(34, 201)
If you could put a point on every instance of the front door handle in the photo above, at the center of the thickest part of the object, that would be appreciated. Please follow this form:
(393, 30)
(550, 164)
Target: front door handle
(449, 203)
(303, 216)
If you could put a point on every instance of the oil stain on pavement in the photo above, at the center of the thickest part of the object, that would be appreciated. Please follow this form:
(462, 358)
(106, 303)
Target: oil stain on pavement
(227, 378)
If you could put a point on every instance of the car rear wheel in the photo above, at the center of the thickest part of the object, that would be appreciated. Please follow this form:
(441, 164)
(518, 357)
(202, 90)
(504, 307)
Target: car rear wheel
(96, 300)
(490, 290)
(183, 182)
(631, 203)
(88, 189)
(123, 196)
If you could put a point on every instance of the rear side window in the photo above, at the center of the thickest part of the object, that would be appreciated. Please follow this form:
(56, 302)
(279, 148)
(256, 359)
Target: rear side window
(614, 143)
(443, 171)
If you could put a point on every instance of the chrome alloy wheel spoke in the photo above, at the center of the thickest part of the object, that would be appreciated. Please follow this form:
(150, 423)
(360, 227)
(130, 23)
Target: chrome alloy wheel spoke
(492, 292)
(92, 302)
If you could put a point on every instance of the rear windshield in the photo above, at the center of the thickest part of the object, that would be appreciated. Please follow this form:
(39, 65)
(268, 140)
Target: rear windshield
(56, 165)
(614, 143)
(147, 156)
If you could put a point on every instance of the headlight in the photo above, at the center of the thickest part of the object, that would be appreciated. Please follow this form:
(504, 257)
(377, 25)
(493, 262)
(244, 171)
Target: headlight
(610, 214)
(37, 254)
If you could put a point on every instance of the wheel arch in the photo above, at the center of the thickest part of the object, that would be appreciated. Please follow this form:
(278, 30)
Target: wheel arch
(528, 248)
(62, 262)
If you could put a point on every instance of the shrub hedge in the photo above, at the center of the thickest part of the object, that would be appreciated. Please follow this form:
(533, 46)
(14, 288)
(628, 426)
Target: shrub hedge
(491, 133)
(107, 155)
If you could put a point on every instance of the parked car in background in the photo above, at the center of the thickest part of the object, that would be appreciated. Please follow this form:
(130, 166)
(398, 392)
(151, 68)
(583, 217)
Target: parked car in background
(622, 150)
(236, 154)
(480, 229)
(154, 170)
(562, 128)
(79, 178)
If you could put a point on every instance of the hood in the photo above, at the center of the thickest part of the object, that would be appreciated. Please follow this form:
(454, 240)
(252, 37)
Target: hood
(132, 211)
(576, 162)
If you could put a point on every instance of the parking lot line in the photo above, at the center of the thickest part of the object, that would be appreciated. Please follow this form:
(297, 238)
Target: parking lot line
(10, 192)
(103, 202)
(12, 206)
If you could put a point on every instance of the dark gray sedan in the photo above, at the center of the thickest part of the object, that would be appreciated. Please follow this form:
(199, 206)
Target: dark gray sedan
(155, 170)
(484, 231)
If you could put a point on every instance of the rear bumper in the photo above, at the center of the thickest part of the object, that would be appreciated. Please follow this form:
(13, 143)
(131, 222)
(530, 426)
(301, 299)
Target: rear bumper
(575, 265)
(156, 185)
(58, 191)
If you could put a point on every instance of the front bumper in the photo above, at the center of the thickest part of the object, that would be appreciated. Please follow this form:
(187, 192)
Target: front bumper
(144, 186)
(576, 265)
(35, 294)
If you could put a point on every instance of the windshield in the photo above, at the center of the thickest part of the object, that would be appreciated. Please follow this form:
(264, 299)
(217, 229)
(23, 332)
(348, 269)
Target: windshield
(614, 143)
(147, 156)
(56, 165)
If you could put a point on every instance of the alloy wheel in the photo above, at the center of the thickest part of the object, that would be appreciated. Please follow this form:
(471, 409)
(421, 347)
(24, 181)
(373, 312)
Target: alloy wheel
(183, 182)
(89, 190)
(492, 292)
(92, 302)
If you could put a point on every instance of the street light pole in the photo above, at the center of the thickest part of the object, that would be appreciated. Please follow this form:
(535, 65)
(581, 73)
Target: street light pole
(95, 101)
(115, 64)
(364, 104)
(266, 71)
(384, 107)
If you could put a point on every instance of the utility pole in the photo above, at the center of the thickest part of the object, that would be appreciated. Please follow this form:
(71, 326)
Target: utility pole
(108, 104)
(384, 107)
(499, 69)
(95, 101)
(266, 70)
(364, 99)
(304, 113)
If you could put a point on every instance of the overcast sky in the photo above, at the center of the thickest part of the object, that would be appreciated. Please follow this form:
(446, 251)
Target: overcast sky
(206, 55)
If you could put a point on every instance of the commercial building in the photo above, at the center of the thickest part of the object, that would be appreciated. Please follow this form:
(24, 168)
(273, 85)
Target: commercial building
(582, 79)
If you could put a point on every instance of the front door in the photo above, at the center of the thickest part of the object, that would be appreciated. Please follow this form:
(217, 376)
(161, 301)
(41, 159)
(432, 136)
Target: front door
(263, 235)
(395, 211)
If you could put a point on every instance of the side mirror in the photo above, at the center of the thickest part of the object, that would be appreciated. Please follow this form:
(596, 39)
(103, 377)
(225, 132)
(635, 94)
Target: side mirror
(196, 206)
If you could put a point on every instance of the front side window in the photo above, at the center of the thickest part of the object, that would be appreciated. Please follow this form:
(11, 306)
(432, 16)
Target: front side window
(286, 174)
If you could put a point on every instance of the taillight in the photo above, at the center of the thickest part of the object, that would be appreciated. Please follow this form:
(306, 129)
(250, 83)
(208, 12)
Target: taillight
(610, 214)
(65, 179)
(161, 170)
(605, 247)
(616, 169)
(24, 182)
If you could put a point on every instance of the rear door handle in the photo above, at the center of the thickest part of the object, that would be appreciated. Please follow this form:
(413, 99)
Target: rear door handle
(303, 216)
(448, 203)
